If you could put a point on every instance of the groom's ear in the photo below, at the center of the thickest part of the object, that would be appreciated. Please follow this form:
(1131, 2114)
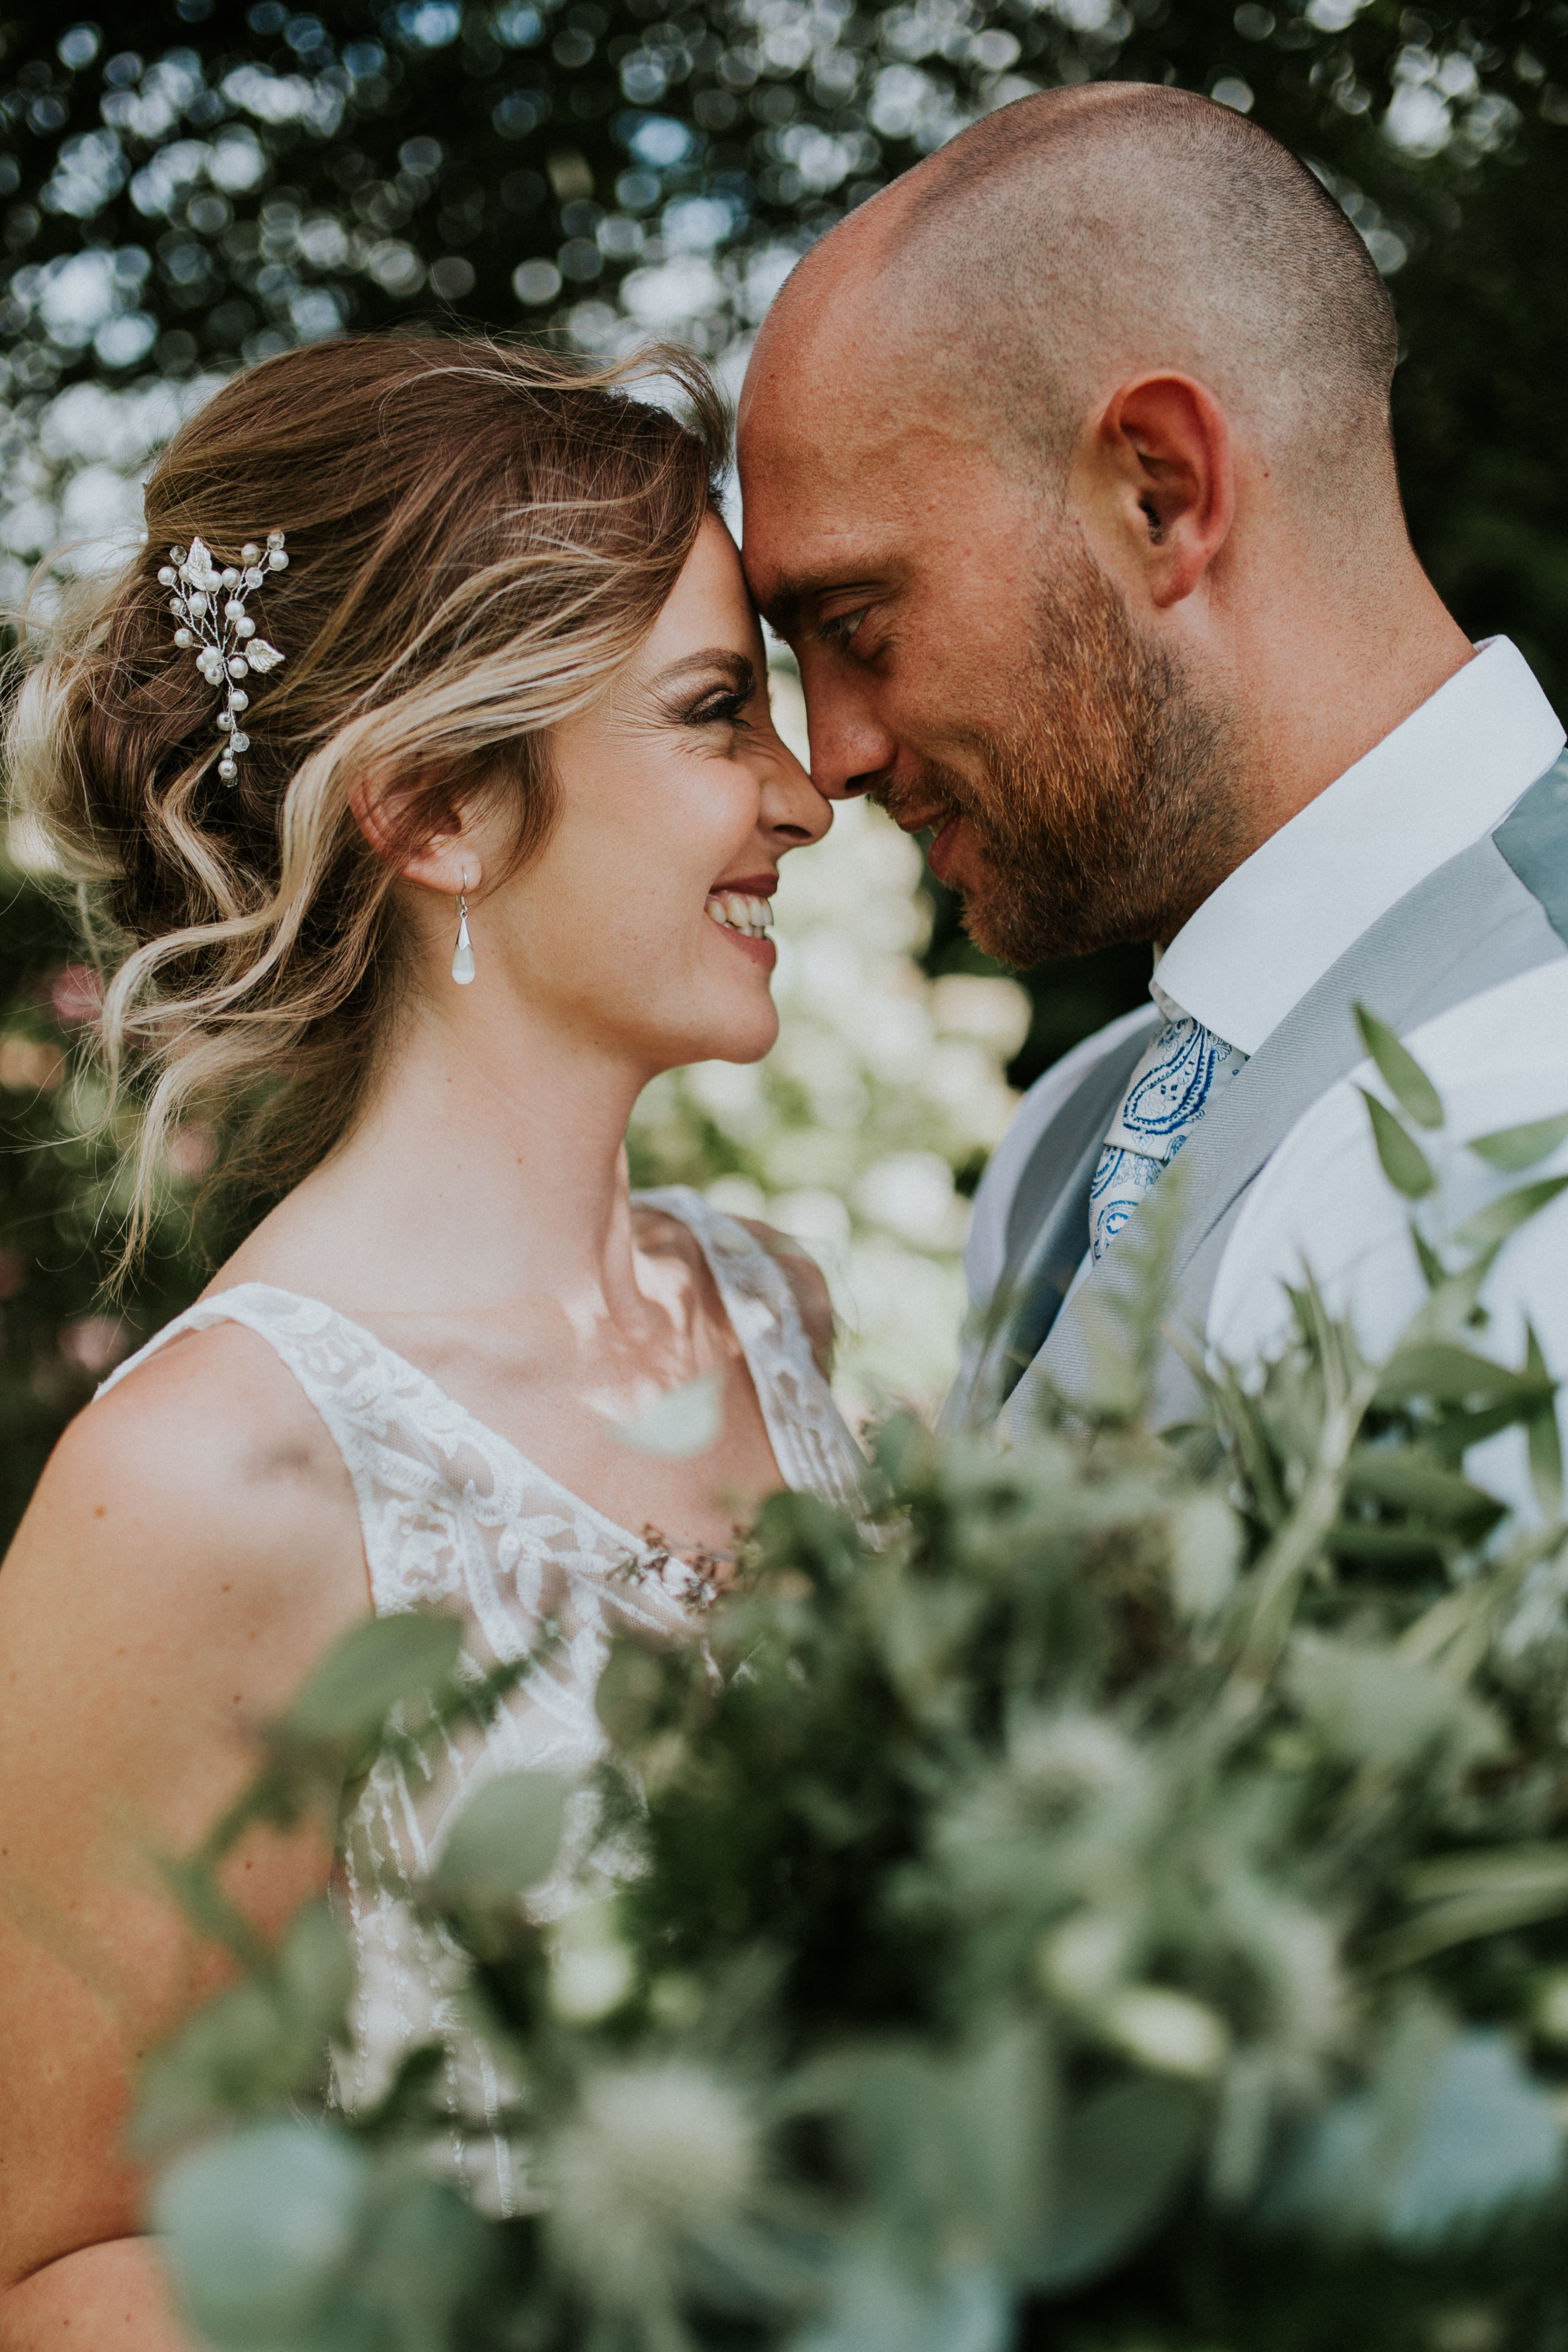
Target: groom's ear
(1164, 480)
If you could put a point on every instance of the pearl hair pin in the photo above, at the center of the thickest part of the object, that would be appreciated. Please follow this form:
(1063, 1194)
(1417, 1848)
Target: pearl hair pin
(208, 605)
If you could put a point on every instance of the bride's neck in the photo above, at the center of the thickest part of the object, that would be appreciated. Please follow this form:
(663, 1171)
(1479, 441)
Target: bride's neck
(487, 1164)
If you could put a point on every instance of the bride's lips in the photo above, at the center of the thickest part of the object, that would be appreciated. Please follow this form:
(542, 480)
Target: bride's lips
(761, 951)
(739, 909)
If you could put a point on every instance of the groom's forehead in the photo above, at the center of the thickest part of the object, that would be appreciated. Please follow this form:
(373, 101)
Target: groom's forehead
(820, 508)
(804, 534)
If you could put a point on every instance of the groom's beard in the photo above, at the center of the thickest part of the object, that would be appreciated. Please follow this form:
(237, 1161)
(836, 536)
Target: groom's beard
(1107, 809)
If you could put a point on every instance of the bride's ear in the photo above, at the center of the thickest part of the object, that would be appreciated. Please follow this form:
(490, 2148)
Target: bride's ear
(422, 834)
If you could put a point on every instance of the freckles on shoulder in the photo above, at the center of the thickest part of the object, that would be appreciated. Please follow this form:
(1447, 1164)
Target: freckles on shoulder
(213, 1411)
(201, 1486)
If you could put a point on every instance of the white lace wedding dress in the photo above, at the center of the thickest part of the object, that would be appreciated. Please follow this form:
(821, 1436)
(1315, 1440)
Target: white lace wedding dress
(455, 1519)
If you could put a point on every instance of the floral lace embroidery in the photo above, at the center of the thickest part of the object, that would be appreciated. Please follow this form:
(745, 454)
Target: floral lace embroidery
(454, 1517)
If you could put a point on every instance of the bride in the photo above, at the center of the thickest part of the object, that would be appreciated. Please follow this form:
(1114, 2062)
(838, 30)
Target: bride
(423, 768)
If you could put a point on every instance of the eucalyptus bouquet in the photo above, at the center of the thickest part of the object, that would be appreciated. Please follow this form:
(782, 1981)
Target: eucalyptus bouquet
(1114, 1894)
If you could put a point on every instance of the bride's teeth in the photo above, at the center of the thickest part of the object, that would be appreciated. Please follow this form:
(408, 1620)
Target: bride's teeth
(737, 911)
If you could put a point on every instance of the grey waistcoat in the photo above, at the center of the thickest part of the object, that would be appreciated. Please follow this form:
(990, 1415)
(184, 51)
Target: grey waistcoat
(1499, 908)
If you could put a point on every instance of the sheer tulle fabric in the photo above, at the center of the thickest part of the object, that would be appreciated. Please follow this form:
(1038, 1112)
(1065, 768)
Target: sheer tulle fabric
(455, 1518)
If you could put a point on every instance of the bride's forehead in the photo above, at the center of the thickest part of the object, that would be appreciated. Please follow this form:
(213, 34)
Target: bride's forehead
(710, 594)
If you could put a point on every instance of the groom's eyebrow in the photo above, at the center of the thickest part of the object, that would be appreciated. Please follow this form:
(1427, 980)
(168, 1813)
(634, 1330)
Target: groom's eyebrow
(786, 601)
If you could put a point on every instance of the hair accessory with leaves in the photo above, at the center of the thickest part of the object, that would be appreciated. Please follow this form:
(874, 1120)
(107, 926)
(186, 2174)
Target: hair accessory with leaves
(208, 605)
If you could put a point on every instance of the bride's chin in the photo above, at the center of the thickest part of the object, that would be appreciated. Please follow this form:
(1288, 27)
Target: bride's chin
(738, 1032)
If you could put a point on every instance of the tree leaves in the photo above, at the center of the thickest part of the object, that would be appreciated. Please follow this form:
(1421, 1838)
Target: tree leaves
(366, 1674)
(1494, 1224)
(503, 1841)
(1401, 1073)
(1425, 1489)
(1445, 1374)
(1371, 1706)
(257, 2045)
(1071, 1833)
(1513, 1148)
(1469, 1894)
(1545, 1439)
(291, 2236)
(1451, 2136)
(1405, 1163)
(262, 2230)
(1122, 2156)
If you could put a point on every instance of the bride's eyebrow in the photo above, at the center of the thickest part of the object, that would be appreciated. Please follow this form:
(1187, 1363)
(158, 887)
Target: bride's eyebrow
(735, 666)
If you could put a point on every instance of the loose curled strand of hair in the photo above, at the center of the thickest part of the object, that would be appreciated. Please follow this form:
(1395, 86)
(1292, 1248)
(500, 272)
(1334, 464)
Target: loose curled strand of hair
(481, 537)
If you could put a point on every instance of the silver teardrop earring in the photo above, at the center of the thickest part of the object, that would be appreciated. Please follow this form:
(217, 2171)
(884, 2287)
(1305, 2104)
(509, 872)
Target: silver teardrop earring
(462, 953)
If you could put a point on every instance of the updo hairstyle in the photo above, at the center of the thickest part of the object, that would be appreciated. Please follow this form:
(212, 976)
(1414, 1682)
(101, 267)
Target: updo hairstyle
(479, 538)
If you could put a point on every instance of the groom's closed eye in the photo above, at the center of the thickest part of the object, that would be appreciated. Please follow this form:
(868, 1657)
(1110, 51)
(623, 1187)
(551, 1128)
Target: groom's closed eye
(839, 629)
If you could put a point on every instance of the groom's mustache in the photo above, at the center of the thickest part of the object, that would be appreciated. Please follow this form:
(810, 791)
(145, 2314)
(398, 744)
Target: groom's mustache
(926, 800)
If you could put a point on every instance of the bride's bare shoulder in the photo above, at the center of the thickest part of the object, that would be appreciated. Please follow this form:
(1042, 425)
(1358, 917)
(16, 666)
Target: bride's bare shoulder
(203, 1476)
(209, 1415)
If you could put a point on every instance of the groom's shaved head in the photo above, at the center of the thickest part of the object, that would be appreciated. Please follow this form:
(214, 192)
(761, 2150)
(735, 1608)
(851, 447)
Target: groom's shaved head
(1075, 238)
(1054, 456)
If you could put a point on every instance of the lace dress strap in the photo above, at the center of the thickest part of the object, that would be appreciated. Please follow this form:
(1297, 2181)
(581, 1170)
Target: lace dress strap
(811, 1444)
(339, 1366)
(455, 1518)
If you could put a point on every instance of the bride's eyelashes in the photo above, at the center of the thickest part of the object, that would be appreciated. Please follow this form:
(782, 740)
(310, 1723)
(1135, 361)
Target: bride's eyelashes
(724, 710)
(723, 697)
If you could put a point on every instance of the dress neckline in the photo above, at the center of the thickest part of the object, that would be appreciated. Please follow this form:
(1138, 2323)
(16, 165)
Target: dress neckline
(672, 1201)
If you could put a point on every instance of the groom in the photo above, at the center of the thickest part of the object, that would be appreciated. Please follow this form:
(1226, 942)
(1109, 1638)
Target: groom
(1068, 475)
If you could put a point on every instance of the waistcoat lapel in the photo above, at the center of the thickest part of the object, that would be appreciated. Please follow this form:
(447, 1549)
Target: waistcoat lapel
(1499, 908)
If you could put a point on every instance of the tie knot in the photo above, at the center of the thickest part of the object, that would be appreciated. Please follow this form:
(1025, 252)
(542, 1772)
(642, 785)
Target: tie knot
(1169, 1090)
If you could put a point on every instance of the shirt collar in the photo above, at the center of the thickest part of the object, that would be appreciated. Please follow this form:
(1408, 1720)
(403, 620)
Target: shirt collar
(1447, 775)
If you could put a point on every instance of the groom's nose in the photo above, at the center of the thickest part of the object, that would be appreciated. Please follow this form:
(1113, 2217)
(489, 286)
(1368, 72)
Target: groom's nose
(852, 749)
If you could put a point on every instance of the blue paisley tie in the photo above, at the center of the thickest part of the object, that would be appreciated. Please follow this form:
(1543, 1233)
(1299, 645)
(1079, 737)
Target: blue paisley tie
(1167, 1094)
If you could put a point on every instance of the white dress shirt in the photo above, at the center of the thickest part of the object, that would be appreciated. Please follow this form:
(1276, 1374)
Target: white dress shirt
(1447, 774)
(1445, 777)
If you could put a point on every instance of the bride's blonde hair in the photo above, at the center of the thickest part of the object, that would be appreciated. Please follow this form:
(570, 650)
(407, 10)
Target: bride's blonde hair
(479, 537)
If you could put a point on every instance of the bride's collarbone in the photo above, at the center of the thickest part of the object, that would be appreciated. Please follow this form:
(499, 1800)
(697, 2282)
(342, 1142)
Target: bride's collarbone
(568, 1400)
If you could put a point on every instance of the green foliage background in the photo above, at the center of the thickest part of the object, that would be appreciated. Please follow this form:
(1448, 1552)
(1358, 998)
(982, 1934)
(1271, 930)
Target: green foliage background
(192, 185)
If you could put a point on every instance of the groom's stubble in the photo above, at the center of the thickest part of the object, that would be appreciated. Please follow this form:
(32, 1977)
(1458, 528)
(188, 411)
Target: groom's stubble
(1105, 805)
